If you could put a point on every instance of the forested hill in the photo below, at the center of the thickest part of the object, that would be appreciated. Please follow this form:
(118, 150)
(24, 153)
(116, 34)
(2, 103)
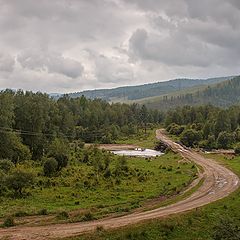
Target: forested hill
(146, 90)
(29, 121)
(223, 94)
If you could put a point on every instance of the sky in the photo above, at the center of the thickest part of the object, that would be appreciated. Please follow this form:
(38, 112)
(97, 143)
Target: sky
(73, 45)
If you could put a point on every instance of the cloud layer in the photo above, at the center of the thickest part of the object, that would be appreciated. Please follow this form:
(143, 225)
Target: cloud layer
(71, 45)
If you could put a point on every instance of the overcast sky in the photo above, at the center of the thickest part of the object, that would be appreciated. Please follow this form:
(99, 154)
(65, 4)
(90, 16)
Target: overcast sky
(72, 45)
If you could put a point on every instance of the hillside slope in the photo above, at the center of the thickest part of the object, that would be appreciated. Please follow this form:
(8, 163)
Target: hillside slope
(146, 90)
(223, 94)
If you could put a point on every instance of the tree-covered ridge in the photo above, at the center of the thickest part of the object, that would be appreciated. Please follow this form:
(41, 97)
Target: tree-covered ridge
(222, 94)
(30, 121)
(147, 90)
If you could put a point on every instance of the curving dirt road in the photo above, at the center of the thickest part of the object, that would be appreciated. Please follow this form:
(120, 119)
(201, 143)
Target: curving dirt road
(218, 183)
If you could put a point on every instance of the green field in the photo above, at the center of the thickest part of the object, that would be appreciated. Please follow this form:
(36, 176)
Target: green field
(77, 188)
(141, 139)
(199, 224)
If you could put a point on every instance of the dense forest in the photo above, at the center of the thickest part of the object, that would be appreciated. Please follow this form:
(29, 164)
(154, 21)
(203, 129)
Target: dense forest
(222, 94)
(207, 126)
(29, 121)
(147, 90)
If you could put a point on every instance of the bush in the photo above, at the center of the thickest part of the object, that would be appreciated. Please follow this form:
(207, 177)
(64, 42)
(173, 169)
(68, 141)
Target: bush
(43, 212)
(20, 214)
(9, 222)
(62, 161)
(190, 137)
(237, 149)
(59, 150)
(50, 167)
(6, 165)
(63, 215)
(99, 228)
(175, 129)
(226, 229)
(160, 146)
(225, 140)
(88, 216)
(19, 180)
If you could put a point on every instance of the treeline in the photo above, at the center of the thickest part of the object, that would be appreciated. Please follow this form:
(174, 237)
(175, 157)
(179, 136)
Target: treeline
(207, 126)
(29, 122)
(222, 94)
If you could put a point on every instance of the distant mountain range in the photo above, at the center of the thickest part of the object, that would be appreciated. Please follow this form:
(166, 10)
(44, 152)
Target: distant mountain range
(221, 91)
(129, 93)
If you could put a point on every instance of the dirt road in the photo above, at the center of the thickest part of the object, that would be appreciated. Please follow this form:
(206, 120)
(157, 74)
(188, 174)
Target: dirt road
(218, 183)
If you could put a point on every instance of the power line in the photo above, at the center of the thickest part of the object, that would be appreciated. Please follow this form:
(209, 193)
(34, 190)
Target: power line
(30, 133)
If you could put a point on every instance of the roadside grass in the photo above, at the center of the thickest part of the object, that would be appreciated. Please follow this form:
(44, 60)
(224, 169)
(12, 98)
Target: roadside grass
(194, 225)
(162, 176)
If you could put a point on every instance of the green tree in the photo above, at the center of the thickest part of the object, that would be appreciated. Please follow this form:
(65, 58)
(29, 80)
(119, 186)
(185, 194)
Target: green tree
(222, 122)
(144, 117)
(190, 137)
(31, 116)
(225, 140)
(175, 129)
(12, 148)
(2, 182)
(59, 149)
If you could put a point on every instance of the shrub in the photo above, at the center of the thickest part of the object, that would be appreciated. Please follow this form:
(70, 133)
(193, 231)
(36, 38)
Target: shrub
(6, 165)
(99, 228)
(225, 140)
(59, 150)
(237, 149)
(63, 215)
(226, 229)
(9, 222)
(19, 180)
(107, 173)
(190, 137)
(43, 212)
(88, 216)
(50, 167)
(20, 214)
(175, 129)
(62, 161)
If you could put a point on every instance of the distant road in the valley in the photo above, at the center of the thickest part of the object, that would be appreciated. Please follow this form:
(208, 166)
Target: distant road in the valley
(218, 183)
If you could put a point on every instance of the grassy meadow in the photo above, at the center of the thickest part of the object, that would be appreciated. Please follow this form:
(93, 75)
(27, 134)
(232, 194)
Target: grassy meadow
(200, 224)
(83, 189)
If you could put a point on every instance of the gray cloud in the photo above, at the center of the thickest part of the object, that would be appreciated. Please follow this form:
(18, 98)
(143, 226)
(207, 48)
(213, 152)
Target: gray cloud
(174, 50)
(201, 34)
(6, 63)
(50, 62)
(71, 45)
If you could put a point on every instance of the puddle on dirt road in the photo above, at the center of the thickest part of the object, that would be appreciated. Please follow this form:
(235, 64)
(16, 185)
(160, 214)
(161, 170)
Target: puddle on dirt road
(138, 153)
